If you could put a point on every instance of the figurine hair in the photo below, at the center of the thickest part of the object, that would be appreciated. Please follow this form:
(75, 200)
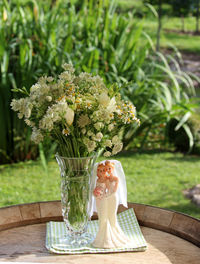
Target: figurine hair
(108, 163)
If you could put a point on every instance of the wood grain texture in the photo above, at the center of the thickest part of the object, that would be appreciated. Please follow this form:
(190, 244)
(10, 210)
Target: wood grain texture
(27, 244)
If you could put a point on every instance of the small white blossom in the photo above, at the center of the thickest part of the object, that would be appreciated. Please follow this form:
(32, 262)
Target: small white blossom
(20, 116)
(112, 105)
(29, 123)
(108, 143)
(36, 135)
(83, 120)
(27, 113)
(68, 67)
(48, 98)
(107, 154)
(69, 116)
(85, 140)
(111, 127)
(104, 99)
(117, 148)
(50, 79)
(66, 132)
(98, 137)
(90, 133)
(91, 145)
(98, 125)
(115, 140)
(83, 131)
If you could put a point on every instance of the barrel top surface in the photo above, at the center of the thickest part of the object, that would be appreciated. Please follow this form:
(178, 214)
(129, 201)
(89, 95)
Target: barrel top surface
(27, 244)
(172, 237)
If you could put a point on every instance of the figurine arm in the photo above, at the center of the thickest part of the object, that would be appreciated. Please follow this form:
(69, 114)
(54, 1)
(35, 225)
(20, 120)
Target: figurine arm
(95, 193)
(107, 184)
(116, 183)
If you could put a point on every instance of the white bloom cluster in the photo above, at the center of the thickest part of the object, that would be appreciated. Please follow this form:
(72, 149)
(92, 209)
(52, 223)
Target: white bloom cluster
(23, 106)
(54, 114)
(76, 108)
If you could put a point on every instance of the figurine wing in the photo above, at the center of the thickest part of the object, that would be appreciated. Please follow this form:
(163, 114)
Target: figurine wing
(122, 189)
(92, 205)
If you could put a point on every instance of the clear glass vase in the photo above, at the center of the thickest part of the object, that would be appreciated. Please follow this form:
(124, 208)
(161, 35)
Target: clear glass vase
(76, 195)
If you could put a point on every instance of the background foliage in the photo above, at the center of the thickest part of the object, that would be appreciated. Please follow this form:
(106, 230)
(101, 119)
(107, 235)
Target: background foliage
(37, 37)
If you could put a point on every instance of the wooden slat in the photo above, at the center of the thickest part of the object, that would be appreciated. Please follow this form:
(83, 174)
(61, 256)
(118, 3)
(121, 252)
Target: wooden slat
(165, 220)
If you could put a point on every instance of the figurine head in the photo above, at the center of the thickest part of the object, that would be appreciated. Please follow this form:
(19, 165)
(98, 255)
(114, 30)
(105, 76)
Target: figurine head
(101, 170)
(109, 166)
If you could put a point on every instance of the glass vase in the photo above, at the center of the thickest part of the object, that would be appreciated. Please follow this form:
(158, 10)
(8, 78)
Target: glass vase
(76, 195)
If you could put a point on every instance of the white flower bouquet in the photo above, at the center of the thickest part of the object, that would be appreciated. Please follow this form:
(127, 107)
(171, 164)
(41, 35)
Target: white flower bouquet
(84, 117)
(77, 111)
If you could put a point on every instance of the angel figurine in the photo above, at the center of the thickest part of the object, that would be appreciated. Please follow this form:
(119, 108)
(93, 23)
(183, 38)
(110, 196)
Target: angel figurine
(109, 192)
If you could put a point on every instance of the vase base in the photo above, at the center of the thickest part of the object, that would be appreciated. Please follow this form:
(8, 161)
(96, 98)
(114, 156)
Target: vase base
(76, 241)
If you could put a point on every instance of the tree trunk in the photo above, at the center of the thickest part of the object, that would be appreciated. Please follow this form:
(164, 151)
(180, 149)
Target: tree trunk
(183, 23)
(197, 16)
(159, 25)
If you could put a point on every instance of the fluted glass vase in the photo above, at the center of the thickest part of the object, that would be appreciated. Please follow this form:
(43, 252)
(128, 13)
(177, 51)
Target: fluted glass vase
(76, 197)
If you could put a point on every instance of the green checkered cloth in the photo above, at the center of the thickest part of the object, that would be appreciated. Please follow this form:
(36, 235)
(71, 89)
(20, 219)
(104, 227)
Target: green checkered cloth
(127, 221)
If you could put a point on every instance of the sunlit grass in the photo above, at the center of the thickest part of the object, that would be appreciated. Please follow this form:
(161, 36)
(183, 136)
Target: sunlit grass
(156, 179)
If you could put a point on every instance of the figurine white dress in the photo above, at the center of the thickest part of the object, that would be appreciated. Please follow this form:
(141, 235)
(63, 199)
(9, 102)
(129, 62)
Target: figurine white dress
(106, 195)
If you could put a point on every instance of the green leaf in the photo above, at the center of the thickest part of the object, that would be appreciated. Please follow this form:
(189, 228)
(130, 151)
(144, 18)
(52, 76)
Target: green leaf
(190, 136)
(183, 120)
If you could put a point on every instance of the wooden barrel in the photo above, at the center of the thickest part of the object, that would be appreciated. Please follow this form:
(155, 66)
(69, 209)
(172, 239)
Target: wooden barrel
(172, 237)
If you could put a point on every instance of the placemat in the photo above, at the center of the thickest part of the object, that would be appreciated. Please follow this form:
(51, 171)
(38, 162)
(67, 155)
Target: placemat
(127, 221)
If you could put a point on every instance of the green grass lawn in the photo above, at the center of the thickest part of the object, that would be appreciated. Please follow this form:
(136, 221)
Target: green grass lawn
(184, 42)
(152, 178)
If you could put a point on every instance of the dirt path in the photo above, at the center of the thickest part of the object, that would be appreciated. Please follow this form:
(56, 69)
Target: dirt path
(191, 63)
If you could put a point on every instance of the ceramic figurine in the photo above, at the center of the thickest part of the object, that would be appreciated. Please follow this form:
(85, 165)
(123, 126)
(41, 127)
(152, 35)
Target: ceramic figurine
(107, 194)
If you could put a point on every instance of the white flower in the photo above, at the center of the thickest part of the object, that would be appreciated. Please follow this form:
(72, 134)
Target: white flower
(90, 133)
(115, 140)
(108, 143)
(83, 131)
(88, 104)
(29, 123)
(107, 154)
(48, 98)
(50, 79)
(91, 145)
(98, 125)
(68, 67)
(117, 148)
(112, 105)
(83, 121)
(46, 123)
(15, 105)
(69, 116)
(20, 116)
(36, 135)
(85, 140)
(98, 137)
(35, 87)
(111, 127)
(27, 113)
(66, 132)
(104, 99)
